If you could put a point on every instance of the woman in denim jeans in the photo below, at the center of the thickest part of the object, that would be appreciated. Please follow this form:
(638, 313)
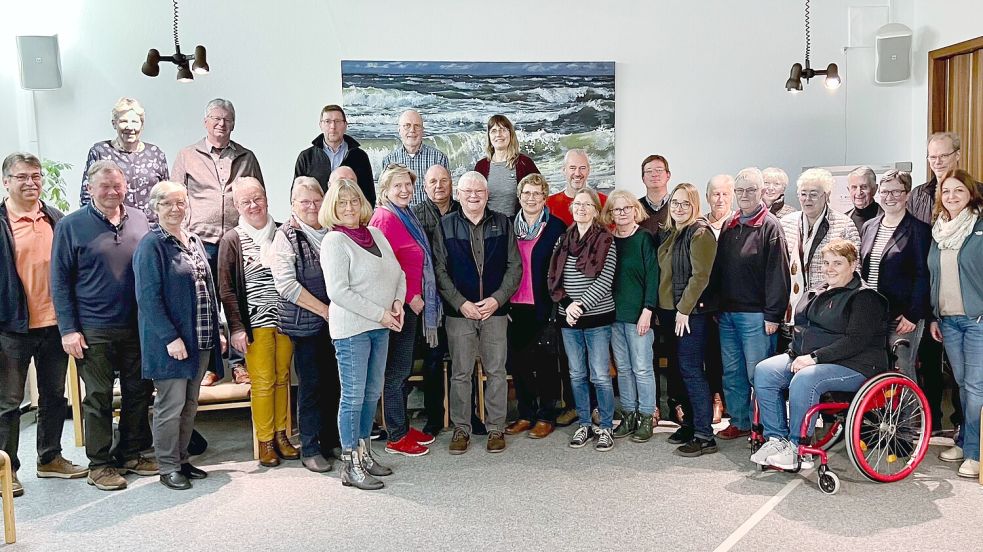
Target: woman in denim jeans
(581, 277)
(636, 291)
(955, 262)
(686, 260)
(366, 286)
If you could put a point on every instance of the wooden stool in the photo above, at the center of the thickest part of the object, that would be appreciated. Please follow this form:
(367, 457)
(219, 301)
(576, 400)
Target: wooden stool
(7, 485)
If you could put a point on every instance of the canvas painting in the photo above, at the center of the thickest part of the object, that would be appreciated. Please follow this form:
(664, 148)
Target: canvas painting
(555, 106)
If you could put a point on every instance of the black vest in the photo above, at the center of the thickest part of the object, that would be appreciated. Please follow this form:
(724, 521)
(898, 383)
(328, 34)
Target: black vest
(682, 269)
(295, 320)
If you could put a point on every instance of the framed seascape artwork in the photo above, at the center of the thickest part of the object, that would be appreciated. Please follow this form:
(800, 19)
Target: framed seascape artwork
(555, 106)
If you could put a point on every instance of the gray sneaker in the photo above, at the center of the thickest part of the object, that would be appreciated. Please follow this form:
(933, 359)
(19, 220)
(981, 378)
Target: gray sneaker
(140, 465)
(760, 457)
(106, 478)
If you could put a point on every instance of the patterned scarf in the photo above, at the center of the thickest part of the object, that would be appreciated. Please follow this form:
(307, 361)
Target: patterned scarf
(950, 234)
(360, 235)
(525, 232)
(591, 251)
(432, 308)
(263, 238)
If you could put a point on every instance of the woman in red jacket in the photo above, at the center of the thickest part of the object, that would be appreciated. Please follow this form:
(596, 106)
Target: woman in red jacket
(504, 167)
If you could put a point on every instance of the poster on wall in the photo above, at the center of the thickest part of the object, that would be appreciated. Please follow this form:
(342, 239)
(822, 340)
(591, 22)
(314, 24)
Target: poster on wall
(555, 106)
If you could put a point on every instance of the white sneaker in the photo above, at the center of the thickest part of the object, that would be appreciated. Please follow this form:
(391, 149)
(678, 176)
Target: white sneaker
(969, 468)
(773, 445)
(951, 454)
(785, 457)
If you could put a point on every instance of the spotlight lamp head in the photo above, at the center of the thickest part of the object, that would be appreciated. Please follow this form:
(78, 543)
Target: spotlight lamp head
(151, 67)
(201, 65)
(184, 73)
(794, 82)
(832, 77)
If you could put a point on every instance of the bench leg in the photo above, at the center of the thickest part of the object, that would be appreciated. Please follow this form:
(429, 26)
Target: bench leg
(7, 484)
(481, 392)
(447, 403)
(75, 395)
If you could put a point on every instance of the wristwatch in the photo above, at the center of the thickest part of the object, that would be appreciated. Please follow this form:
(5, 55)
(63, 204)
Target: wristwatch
(814, 357)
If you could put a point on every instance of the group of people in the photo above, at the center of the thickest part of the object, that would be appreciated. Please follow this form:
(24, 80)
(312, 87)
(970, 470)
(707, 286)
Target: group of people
(163, 277)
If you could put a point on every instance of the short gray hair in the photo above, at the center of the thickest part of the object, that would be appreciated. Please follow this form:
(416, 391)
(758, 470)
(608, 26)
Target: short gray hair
(243, 182)
(100, 166)
(951, 136)
(577, 151)
(125, 104)
(160, 190)
(867, 173)
(724, 178)
(777, 172)
(221, 103)
(750, 174)
(819, 176)
(20, 157)
(308, 183)
(473, 176)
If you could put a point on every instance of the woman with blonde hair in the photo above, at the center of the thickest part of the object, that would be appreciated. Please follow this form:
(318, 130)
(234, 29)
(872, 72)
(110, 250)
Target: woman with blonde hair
(504, 167)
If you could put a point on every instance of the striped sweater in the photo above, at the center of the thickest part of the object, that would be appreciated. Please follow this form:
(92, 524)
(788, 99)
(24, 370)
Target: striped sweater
(594, 293)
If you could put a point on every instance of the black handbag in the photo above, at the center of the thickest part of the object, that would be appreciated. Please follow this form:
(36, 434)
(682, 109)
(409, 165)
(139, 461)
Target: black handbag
(549, 337)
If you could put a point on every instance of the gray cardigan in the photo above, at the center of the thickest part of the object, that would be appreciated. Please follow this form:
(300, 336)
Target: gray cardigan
(970, 259)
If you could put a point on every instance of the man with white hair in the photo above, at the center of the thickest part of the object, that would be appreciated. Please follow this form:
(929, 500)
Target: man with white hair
(208, 168)
(413, 153)
(808, 230)
(751, 268)
(576, 170)
(862, 184)
(720, 197)
(478, 269)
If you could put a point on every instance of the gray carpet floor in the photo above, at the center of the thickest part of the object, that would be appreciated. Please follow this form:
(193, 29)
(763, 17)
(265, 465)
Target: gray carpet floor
(537, 495)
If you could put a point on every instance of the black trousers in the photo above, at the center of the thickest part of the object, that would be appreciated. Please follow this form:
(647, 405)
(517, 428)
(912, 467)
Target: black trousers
(535, 372)
(932, 381)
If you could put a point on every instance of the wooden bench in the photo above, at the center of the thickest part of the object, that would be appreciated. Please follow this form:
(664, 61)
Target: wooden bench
(221, 396)
(7, 486)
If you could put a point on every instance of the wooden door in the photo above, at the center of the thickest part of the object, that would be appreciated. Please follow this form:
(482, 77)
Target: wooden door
(955, 98)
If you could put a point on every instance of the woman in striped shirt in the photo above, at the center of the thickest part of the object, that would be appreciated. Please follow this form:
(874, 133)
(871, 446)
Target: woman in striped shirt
(581, 278)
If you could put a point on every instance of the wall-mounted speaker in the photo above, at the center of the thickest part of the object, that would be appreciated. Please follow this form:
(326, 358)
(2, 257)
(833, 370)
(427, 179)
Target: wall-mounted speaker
(40, 64)
(893, 47)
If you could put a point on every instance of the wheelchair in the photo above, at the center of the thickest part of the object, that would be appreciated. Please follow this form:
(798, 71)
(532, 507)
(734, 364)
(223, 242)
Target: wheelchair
(886, 425)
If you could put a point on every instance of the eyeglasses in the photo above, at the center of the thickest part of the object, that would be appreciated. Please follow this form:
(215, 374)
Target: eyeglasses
(941, 156)
(226, 120)
(22, 178)
(579, 205)
(654, 171)
(411, 126)
(622, 210)
(810, 195)
(892, 193)
(333, 122)
(680, 204)
(172, 204)
(392, 166)
(532, 195)
(308, 203)
(745, 191)
(259, 202)
(468, 193)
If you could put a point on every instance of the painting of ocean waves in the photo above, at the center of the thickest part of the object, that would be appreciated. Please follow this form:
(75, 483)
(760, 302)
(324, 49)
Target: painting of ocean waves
(554, 106)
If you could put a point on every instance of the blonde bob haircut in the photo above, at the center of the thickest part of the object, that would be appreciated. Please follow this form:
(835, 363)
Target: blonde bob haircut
(512, 150)
(348, 189)
(386, 181)
(607, 213)
(693, 197)
(534, 179)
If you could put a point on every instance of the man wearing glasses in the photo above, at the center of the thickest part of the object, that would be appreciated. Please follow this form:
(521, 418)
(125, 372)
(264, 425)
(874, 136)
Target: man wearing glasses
(943, 157)
(752, 270)
(332, 149)
(208, 168)
(413, 153)
(655, 177)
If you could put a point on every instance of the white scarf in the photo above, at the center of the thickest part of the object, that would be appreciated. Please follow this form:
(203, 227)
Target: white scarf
(950, 234)
(262, 237)
(313, 236)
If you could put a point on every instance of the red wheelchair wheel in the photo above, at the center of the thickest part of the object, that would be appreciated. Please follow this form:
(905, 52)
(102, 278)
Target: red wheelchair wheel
(888, 425)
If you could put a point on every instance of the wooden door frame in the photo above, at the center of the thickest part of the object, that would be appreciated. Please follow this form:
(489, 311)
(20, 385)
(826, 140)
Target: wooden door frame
(937, 64)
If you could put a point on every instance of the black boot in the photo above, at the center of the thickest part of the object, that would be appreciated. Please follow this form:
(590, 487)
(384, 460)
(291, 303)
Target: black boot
(354, 475)
(368, 462)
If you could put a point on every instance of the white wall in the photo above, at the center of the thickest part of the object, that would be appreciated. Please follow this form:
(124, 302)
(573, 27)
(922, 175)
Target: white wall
(700, 82)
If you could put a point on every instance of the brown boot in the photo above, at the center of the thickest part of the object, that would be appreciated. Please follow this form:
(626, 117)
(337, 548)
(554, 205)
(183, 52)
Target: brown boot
(718, 408)
(267, 454)
(283, 446)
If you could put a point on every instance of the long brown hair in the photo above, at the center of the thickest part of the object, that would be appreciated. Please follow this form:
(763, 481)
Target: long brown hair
(975, 193)
(512, 151)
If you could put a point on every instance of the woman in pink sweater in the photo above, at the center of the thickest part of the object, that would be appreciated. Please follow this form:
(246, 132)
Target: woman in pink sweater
(396, 221)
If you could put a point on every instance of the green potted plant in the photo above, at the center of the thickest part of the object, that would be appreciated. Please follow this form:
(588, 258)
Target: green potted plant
(55, 188)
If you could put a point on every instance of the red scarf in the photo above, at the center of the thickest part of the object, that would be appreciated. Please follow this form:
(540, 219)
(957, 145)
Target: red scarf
(360, 235)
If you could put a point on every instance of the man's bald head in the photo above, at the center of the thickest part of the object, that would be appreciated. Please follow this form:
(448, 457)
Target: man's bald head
(342, 173)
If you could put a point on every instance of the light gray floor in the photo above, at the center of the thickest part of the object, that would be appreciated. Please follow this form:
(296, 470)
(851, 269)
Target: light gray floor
(538, 495)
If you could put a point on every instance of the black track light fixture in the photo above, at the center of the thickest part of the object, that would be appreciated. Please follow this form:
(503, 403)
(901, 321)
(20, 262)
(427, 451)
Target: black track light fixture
(798, 72)
(185, 69)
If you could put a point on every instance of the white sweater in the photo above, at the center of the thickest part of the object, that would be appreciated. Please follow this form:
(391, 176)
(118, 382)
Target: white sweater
(361, 286)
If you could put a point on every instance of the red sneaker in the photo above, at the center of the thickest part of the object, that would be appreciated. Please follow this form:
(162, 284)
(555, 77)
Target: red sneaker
(420, 437)
(406, 446)
(732, 432)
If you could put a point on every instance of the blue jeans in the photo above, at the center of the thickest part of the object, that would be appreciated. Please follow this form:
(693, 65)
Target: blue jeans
(589, 350)
(743, 344)
(362, 370)
(963, 340)
(689, 356)
(774, 375)
(633, 358)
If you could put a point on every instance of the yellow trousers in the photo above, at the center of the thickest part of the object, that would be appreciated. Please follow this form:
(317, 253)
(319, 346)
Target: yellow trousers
(268, 363)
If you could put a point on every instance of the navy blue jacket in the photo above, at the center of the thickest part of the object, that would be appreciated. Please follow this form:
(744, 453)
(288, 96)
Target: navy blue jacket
(92, 270)
(476, 261)
(903, 277)
(539, 261)
(165, 284)
(13, 303)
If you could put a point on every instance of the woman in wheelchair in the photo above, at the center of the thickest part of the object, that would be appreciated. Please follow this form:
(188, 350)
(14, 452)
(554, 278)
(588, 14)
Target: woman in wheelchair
(838, 342)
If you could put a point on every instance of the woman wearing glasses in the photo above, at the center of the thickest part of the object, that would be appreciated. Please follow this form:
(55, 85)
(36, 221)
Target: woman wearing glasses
(581, 278)
(636, 289)
(534, 364)
(686, 257)
(893, 260)
(503, 166)
(250, 299)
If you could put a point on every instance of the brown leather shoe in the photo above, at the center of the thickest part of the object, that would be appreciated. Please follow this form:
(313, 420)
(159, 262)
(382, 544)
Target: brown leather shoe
(210, 379)
(517, 427)
(459, 442)
(267, 454)
(540, 430)
(283, 446)
(240, 375)
(496, 441)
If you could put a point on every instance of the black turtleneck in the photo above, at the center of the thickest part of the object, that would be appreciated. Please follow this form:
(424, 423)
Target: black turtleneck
(860, 216)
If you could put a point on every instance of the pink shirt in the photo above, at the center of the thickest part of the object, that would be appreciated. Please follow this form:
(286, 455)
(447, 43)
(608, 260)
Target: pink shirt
(524, 295)
(408, 252)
